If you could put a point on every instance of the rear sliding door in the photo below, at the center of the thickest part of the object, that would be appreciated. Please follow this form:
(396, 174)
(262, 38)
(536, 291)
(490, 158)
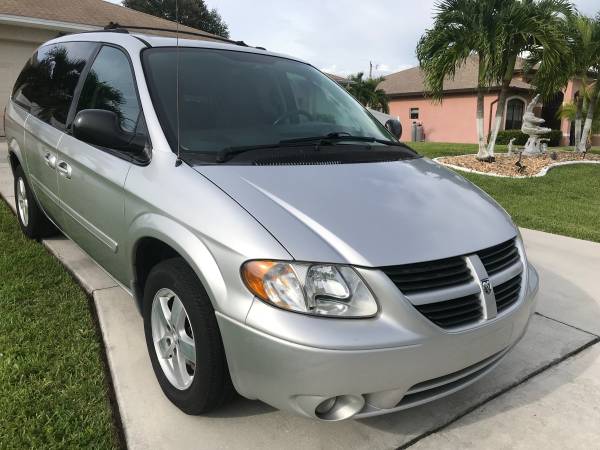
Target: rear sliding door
(45, 88)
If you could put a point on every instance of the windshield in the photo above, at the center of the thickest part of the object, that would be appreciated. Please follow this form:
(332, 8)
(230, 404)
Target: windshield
(230, 99)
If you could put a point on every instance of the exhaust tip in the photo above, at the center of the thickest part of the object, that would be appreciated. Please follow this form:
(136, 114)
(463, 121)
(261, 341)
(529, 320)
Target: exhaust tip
(341, 407)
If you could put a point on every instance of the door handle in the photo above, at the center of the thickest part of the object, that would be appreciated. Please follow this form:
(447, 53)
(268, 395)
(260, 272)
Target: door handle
(50, 160)
(64, 169)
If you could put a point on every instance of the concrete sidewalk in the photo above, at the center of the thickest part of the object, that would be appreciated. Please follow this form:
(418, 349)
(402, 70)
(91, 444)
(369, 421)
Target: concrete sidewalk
(551, 376)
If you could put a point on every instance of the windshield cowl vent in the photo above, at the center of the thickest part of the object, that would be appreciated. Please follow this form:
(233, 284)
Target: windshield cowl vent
(296, 163)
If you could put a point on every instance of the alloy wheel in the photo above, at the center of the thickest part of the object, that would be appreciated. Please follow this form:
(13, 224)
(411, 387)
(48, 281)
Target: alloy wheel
(173, 339)
(22, 202)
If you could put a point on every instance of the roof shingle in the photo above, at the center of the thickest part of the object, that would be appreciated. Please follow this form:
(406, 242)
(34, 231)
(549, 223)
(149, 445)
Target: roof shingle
(411, 81)
(88, 12)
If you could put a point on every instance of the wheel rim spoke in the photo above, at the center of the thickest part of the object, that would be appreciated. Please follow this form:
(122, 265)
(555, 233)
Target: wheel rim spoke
(177, 313)
(178, 368)
(187, 348)
(164, 307)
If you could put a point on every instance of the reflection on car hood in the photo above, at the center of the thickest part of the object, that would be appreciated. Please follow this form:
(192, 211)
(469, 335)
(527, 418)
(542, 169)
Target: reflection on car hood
(373, 214)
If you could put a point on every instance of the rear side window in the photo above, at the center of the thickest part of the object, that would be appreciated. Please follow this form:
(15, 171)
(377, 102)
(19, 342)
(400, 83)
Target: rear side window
(46, 85)
(110, 86)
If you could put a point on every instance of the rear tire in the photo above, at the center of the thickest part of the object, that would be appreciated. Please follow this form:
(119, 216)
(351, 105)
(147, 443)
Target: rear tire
(178, 311)
(33, 221)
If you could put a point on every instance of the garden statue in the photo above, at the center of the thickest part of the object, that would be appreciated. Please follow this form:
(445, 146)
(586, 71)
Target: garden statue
(509, 152)
(531, 127)
(520, 166)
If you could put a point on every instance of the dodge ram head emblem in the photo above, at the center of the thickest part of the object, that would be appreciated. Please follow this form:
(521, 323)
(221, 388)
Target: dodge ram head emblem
(487, 287)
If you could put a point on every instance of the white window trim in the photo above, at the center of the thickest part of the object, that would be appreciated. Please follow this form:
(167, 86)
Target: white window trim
(506, 107)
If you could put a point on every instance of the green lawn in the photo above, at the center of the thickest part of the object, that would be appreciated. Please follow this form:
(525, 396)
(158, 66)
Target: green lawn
(566, 201)
(53, 386)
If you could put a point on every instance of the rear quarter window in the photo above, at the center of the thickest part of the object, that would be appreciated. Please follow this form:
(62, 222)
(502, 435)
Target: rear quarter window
(47, 83)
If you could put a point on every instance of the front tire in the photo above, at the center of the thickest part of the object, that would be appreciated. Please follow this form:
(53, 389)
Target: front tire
(183, 339)
(33, 221)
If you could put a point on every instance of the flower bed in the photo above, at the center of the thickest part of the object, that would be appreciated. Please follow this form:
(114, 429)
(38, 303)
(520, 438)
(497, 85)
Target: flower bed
(505, 166)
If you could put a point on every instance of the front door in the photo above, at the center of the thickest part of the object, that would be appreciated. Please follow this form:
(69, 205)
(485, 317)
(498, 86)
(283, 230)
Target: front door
(91, 179)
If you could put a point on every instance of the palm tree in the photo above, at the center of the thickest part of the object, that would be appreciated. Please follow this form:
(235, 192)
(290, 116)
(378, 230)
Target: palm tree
(571, 111)
(367, 92)
(462, 29)
(594, 69)
(525, 26)
(580, 60)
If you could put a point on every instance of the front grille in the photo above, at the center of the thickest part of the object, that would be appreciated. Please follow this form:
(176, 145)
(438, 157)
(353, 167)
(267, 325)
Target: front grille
(433, 275)
(499, 257)
(507, 293)
(453, 313)
(445, 291)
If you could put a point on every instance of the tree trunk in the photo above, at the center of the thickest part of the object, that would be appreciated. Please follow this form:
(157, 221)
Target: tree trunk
(587, 127)
(482, 155)
(578, 116)
(501, 105)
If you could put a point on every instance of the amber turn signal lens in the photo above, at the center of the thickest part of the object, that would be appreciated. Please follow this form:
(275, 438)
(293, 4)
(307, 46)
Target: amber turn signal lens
(253, 273)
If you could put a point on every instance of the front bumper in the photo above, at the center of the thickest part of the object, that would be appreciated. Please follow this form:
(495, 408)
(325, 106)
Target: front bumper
(394, 361)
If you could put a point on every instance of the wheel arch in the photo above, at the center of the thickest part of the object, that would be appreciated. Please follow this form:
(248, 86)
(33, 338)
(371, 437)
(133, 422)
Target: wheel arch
(14, 155)
(152, 242)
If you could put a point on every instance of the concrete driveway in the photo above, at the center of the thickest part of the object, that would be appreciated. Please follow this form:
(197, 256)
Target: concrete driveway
(546, 392)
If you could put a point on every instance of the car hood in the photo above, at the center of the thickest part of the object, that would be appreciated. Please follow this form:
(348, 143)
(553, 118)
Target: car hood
(371, 214)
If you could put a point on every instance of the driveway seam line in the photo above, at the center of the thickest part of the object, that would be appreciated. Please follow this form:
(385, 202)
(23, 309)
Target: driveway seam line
(472, 408)
(567, 324)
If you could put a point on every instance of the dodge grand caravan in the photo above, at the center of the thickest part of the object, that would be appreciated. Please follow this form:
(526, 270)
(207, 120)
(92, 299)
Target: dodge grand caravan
(278, 240)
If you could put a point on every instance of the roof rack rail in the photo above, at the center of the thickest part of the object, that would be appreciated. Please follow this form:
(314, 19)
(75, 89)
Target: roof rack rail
(117, 27)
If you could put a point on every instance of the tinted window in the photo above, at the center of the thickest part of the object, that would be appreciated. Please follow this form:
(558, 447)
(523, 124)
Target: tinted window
(229, 98)
(110, 86)
(514, 114)
(46, 85)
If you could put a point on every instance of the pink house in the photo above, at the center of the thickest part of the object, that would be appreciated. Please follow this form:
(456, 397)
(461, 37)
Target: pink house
(453, 120)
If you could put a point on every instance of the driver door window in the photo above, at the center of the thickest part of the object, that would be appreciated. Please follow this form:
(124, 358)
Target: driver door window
(110, 86)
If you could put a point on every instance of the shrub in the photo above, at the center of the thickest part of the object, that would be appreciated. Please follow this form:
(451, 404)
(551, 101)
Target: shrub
(505, 136)
(555, 137)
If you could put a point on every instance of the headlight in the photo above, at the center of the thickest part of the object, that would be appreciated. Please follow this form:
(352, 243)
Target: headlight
(319, 289)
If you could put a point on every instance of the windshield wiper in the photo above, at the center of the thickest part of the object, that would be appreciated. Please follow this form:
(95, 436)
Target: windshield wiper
(227, 153)
(338, 137)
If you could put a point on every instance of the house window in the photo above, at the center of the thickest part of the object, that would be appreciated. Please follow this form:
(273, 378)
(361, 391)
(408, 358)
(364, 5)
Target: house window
(414, 113)
(514, 114)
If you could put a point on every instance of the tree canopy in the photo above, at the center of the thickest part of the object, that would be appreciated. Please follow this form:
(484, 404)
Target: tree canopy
(365, 90)
(192, 13)
(497, 32)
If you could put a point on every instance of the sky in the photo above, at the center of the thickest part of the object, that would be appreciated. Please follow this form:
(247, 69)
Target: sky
(340, 37)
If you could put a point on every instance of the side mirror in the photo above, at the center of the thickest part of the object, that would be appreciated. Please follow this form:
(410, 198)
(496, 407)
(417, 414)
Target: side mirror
(103, 128)
(395, 127)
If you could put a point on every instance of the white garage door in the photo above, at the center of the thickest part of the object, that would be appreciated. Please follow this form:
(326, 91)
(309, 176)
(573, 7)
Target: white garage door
(13, 55)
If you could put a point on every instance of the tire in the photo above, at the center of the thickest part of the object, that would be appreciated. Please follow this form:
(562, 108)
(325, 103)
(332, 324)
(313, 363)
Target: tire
(210, 386)
(32, 219)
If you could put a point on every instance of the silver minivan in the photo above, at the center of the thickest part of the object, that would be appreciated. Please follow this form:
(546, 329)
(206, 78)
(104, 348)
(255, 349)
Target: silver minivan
(279, 241)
